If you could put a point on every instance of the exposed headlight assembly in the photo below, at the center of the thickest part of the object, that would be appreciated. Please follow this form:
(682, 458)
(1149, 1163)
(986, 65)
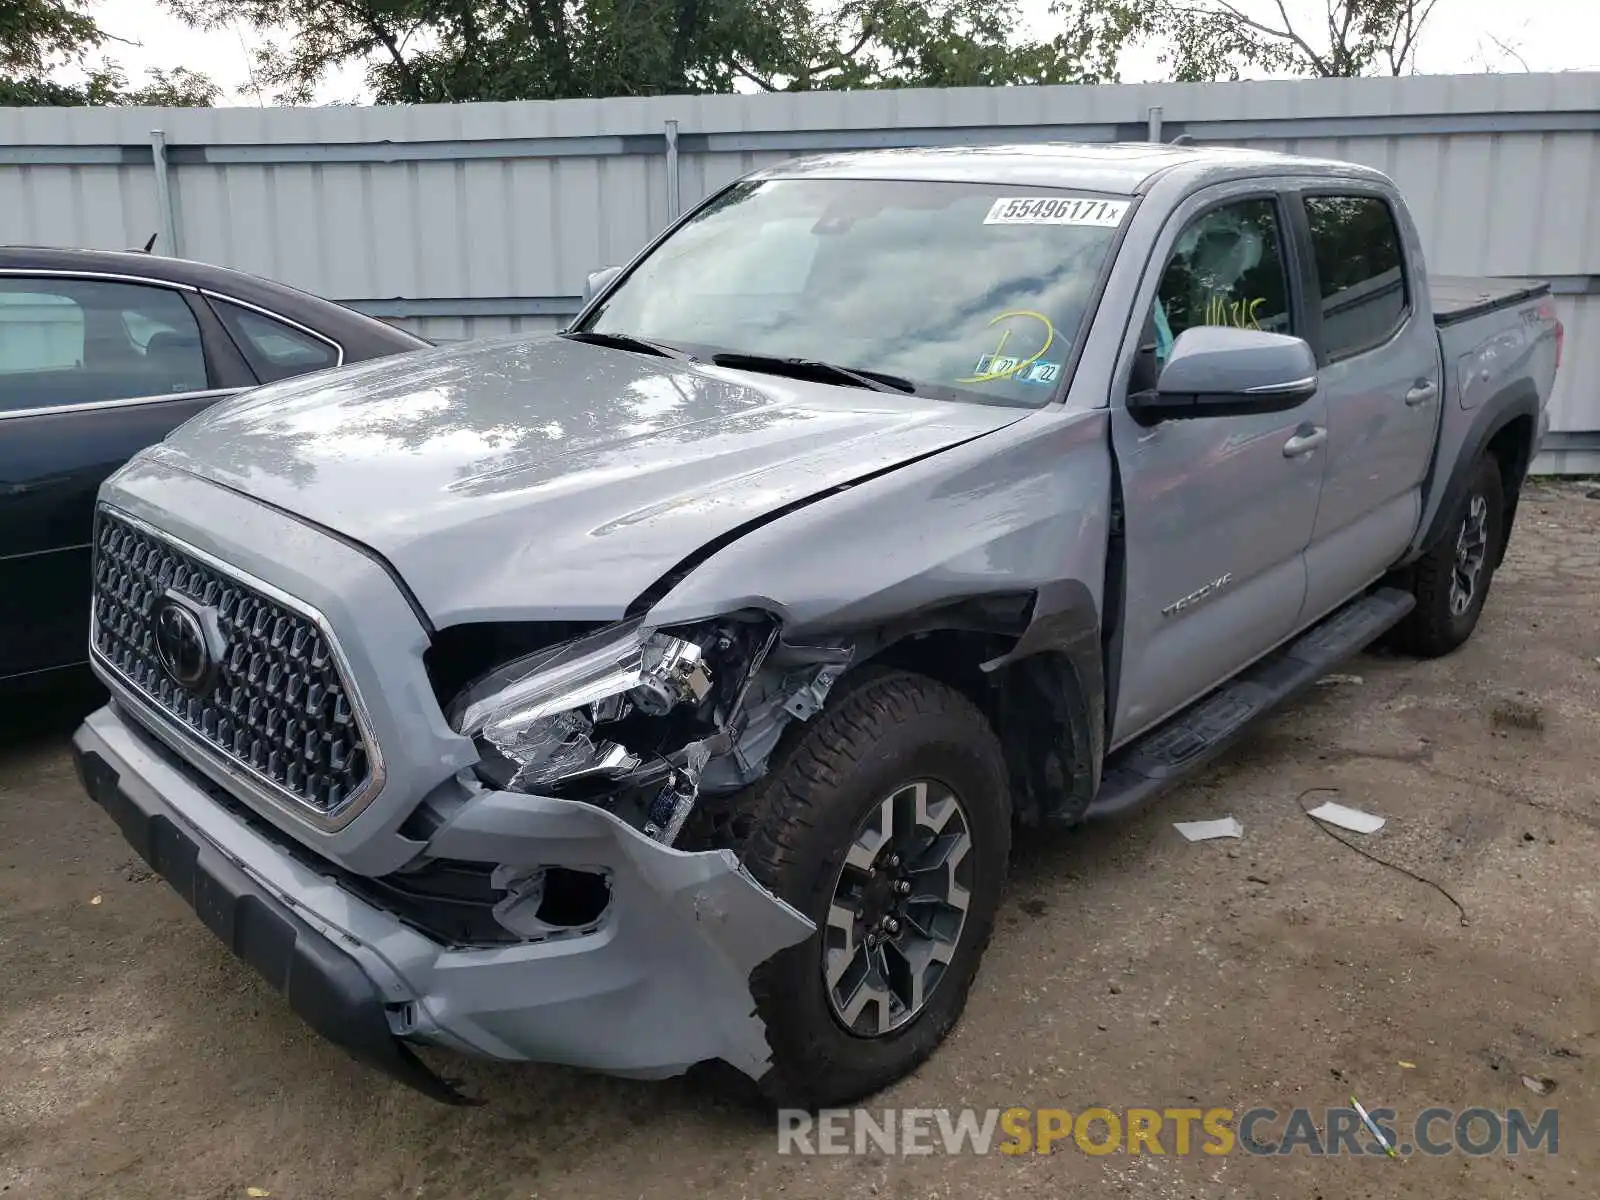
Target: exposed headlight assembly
(551, 715)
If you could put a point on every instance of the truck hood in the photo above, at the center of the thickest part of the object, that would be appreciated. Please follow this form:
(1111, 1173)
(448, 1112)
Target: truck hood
(518, 478)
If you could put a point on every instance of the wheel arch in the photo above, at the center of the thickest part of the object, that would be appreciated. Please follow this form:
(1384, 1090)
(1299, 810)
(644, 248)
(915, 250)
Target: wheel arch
(1503, 428)
(1040, 685)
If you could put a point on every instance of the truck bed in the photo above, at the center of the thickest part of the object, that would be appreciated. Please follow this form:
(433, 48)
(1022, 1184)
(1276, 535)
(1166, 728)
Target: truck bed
(1458, 298)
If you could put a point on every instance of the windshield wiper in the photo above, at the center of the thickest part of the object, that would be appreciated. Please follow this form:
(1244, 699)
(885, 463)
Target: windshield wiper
(628, 341)
(810, 368)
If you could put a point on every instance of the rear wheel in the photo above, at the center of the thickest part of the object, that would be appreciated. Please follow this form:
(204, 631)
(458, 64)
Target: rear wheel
(1451, 582)
(888, 823)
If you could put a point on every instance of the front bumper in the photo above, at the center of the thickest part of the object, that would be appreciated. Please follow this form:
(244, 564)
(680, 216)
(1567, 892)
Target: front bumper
(659, 984)
(325, 987)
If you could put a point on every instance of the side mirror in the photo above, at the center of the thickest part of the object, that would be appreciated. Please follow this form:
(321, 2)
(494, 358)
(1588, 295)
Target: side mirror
(1220, 371)
(598, 281)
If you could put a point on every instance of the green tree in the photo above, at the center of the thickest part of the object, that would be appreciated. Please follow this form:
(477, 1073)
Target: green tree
(1226, 39)
(942, 43)
(176, 88)
(39, 39)
(416, 51)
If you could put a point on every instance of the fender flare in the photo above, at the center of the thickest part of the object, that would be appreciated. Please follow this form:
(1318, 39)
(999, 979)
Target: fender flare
(1044, 688)
(1520, 399)
(1061, 660)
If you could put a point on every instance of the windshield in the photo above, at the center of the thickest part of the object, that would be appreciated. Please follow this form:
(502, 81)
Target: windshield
(969, 291)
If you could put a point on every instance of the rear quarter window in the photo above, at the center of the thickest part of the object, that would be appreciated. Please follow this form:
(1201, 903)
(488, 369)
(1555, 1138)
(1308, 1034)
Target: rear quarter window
(273, 348)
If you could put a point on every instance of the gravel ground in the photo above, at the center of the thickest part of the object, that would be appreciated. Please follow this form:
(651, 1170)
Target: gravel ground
(1130, 969)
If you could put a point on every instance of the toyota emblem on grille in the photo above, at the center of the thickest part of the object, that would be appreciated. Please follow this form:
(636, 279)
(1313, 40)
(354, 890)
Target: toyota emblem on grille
(182, 646)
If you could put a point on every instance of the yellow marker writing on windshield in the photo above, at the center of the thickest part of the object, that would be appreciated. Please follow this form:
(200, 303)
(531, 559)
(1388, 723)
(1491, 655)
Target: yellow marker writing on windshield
(1011, 369)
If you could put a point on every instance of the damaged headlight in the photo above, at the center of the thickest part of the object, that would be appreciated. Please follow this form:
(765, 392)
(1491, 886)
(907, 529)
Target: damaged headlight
(555, 716)
(640, 722)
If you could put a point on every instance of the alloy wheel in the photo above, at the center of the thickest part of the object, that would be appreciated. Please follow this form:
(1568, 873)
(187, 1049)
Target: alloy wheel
(898, 909)
(1472, 550)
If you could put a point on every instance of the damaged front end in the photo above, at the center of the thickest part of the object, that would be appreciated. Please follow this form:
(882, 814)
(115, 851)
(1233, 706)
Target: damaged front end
(643, 723)
(561, 909)
(594, 843)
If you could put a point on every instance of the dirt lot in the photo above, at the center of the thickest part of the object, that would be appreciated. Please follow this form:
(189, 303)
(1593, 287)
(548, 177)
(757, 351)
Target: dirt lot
(137, 1059)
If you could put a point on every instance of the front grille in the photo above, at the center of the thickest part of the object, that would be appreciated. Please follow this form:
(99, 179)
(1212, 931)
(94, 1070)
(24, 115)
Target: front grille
(276, 702)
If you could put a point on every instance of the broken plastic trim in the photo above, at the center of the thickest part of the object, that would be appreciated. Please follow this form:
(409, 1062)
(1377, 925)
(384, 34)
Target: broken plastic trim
(531, 909)
(771, 699)
(662, 983)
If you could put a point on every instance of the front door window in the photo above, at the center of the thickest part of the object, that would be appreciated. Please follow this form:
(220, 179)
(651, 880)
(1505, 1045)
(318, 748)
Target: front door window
(1226, 269)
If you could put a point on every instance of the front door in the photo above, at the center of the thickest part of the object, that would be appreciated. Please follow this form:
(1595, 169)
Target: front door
(1218, 511)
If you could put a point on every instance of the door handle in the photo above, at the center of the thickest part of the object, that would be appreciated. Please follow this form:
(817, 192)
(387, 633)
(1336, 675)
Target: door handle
(1424, 391)
(1306, 439)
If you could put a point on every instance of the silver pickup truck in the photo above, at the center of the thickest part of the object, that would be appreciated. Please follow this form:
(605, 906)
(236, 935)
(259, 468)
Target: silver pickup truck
(669, 690)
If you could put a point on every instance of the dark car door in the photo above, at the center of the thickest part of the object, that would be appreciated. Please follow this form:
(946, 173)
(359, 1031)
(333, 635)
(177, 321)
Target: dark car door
(92, 369)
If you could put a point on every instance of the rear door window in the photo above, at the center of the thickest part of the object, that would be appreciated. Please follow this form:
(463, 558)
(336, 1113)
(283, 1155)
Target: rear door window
(83, 341)
(1360, 272)
(273, 348)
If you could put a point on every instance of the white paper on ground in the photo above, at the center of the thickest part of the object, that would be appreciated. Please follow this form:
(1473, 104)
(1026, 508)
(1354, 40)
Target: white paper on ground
(1202, 831)
(1352, 819)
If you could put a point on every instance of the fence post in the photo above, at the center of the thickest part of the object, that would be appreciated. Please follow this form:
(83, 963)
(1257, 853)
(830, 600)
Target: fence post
(674, 197)
(169, 224)
(1153, 124)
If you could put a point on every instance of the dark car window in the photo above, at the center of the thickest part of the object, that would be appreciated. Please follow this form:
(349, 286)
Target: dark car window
(1226, 269)
(273, 349)
(81, 341)
(1359, 270)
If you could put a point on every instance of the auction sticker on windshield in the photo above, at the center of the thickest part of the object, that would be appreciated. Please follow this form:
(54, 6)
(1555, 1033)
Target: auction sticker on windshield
(1056, 210)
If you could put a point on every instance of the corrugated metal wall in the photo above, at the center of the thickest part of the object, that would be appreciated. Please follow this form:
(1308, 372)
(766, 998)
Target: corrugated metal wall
(464, 220)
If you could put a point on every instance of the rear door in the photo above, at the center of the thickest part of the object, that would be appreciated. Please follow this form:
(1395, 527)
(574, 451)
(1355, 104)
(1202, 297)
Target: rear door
(1218, 510)
(1379, 374)
(92, 369)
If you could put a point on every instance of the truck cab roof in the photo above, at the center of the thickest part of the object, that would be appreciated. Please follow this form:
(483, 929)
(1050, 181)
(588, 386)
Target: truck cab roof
(1127, 168)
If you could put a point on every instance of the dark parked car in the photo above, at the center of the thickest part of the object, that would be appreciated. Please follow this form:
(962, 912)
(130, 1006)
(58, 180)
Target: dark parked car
(101, 354)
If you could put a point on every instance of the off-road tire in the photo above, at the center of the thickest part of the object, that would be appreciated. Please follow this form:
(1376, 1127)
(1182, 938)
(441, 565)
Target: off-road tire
(1432, 628)
(873, 737)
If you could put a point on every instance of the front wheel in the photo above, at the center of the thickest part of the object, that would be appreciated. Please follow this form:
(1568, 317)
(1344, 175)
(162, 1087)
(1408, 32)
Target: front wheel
(1451, 581)
(888, 823)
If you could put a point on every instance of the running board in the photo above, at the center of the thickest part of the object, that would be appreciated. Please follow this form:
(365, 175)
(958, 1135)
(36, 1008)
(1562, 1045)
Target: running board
(1200, 732)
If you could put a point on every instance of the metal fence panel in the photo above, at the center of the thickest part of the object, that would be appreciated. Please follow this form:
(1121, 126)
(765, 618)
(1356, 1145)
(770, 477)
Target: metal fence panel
(476, 219)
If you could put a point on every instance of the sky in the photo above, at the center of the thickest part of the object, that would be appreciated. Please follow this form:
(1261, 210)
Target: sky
(1461, 36)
